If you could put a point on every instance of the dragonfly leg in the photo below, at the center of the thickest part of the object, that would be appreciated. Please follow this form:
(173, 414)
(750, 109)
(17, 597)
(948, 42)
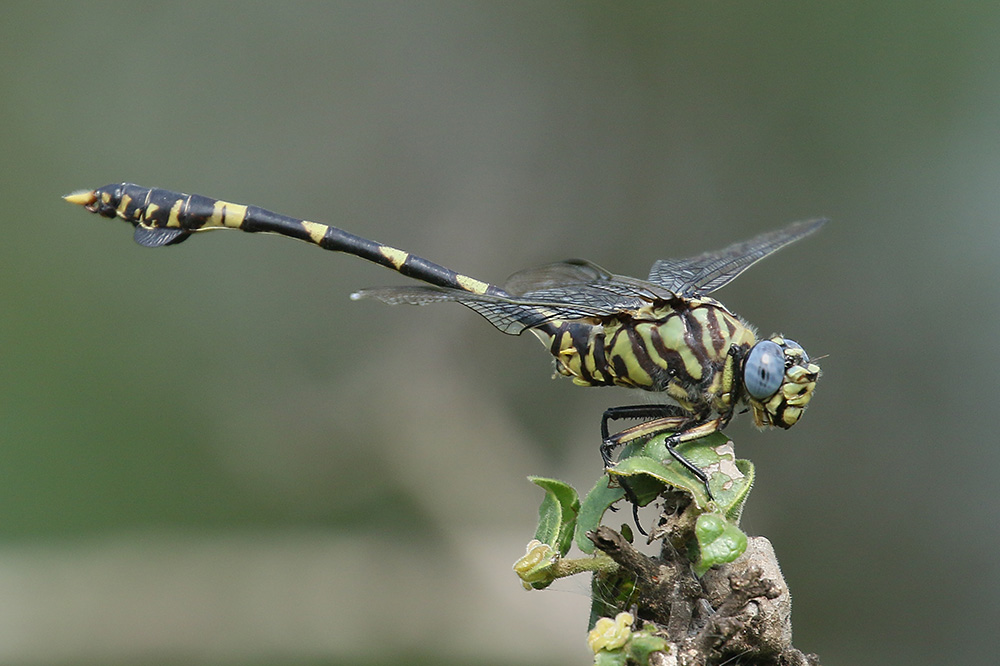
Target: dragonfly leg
(688, 465)
(670, 419)
(654, 414)
(696, 432)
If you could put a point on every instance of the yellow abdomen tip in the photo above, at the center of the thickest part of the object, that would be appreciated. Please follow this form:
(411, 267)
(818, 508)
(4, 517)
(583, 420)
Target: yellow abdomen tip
(81, 197)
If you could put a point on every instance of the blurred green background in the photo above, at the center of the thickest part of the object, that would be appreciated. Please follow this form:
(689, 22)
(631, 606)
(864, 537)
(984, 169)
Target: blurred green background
(209, 454)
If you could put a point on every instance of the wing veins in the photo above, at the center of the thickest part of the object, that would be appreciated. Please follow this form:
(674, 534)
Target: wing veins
(710, 271)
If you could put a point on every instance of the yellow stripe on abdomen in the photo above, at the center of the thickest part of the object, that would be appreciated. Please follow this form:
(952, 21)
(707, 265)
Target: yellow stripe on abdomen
(226, 214)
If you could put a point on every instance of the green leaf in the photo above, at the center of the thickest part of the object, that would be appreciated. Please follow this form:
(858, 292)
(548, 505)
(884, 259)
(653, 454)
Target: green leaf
(636, 467)
(557, 514)
(643, 644)
(614, 658)
(595, 504)
(719, 541)
(626, 532)
(730, 479)
(708, 453)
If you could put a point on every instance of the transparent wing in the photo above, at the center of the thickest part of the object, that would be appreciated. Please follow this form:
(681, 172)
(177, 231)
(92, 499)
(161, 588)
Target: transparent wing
(510, 315)
(576, 289)
(571, 289)
(553, 276)
(579, 282)
(710, 271)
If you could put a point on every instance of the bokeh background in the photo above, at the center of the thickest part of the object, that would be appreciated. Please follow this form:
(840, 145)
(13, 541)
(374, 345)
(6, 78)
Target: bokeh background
(210, 455)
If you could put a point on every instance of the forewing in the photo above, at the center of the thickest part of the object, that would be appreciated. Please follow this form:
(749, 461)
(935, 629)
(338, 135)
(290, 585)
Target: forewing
(710, 271)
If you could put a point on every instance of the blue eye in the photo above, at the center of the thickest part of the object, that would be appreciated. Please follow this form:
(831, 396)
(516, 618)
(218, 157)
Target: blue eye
(764, 369)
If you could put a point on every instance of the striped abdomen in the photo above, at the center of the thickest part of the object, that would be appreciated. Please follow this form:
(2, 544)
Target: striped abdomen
(677, 348)
(163, 217)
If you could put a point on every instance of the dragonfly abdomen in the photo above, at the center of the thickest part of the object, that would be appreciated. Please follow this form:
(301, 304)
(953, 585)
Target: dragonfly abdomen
(163, 217)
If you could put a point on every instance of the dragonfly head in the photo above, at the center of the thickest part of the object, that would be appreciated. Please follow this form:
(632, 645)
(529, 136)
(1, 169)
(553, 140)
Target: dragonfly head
(779, 381)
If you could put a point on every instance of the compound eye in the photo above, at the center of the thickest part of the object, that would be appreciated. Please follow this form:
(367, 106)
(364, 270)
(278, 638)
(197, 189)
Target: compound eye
(764, 370)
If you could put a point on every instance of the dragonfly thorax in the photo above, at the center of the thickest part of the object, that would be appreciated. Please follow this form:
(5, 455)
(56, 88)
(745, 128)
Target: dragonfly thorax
(678, 348)
(681, 349)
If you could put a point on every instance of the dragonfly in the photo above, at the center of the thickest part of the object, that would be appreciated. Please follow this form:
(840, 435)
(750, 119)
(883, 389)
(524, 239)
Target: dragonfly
(664, 334)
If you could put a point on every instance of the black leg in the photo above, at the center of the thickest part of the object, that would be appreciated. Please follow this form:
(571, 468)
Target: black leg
(672, 441)
(663, 418)
(609, 443)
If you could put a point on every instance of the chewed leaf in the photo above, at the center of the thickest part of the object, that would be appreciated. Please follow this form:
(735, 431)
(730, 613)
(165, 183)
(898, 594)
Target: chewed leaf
(730, 479)
(668, 475)
(734, 487)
